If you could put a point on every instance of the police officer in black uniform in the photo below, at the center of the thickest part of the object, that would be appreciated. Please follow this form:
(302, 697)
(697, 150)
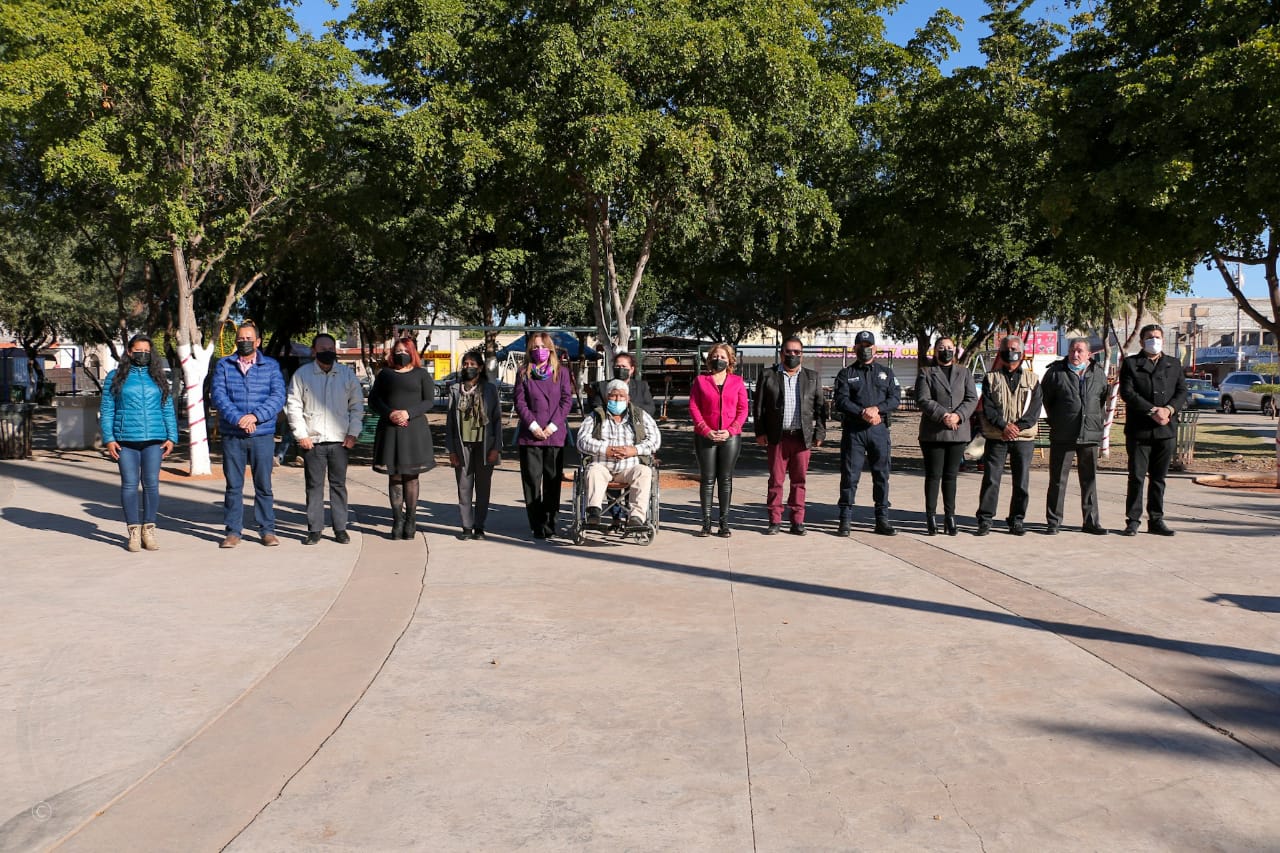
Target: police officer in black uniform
(866, 393)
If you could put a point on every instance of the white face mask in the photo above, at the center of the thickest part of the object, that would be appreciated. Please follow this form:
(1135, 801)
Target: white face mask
(1152, 346)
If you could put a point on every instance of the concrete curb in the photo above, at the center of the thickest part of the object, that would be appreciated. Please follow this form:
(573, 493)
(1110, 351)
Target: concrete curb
(205, 793)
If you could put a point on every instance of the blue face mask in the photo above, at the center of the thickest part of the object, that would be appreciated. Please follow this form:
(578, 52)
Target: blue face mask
(1076, 368)
(617, 407)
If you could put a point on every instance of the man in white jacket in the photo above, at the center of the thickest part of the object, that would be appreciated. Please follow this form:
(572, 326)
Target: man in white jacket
(325, 408)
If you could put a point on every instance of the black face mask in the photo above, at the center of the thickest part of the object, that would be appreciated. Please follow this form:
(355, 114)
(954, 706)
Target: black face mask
(469, 373)
(140, 359)
(719, 364)
(622, 372)
(326, 357)
(402, 359)
(1011, 357)
(245, 347)
(944, 356)
(866, 354)
(791, 361)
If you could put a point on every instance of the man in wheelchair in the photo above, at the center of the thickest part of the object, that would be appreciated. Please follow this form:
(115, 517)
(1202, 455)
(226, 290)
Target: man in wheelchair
(617, 442)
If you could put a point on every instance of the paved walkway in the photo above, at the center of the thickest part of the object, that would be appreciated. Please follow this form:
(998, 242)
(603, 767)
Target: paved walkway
(759, 693)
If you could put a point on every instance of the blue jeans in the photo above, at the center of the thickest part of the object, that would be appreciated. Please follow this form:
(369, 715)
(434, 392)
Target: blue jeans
(140, 461)
(258, 452)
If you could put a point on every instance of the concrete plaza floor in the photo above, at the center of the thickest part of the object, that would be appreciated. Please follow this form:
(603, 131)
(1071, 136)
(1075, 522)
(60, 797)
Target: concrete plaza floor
(756, 693)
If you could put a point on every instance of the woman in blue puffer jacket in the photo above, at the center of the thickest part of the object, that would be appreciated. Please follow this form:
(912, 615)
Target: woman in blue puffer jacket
(139, 427)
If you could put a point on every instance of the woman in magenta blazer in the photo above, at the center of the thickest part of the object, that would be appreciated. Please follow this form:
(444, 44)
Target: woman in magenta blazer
(718, 406)
(544, 392)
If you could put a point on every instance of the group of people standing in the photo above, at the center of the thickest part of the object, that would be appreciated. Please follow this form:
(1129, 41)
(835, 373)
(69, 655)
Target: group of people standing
(324, 404)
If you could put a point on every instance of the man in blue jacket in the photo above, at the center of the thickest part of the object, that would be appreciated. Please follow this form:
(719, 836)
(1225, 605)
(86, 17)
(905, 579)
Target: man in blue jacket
(248, 391)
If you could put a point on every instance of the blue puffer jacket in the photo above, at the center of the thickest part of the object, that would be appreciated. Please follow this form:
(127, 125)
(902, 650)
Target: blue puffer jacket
(138, 412)
(259, 392)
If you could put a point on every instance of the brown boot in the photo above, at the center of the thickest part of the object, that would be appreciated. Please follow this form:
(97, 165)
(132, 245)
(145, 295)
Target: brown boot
(135, 537)
(149, 537)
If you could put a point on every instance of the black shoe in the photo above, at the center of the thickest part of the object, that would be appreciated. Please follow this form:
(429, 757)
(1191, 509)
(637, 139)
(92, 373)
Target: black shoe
(1130, 529)
(1051, 530)
(635, 524)
(1095, 529)
(845, 528)
(478, 533)
(1159, 528)
(884, 528)
(342, 537)
(949, 525)
(1016, 528)
(931, 524)
(593, 520)
(705, 530)
(984, 527)
(772, 529)
(312, 539)
(466, 534)
(797, 529)
(724, 532)
(538, 534)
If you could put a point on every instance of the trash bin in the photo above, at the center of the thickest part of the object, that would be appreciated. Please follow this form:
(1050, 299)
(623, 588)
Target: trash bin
(1185, 452)
(78, 422)
(15, 430)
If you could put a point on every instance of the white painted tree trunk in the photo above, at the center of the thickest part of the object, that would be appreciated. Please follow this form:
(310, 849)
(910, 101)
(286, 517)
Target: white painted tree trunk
(195, 367)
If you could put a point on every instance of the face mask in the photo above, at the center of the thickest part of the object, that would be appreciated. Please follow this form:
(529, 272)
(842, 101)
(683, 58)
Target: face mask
(1153, 346)
(617, 407)
(245, 347)
(866, 354)
(791, 361)
(326, 357)
(945, 355)
(1076, 368)
(140, 359)
(469, 373)
(402, 359)
(719, 364)
(1011, 356)
(541, 355)
(622, 372)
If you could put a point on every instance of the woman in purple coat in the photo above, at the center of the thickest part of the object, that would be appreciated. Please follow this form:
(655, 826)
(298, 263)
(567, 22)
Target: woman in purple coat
(544, 392)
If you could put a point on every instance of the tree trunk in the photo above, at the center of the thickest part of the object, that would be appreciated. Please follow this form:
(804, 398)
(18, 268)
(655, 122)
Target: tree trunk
(194, 358)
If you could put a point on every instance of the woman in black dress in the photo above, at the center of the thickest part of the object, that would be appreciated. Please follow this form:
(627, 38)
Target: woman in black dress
(402, 395)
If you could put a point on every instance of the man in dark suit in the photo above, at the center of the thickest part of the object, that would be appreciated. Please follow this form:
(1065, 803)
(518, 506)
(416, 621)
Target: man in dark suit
(1153, 390)
(1075, 393)
(790, 420)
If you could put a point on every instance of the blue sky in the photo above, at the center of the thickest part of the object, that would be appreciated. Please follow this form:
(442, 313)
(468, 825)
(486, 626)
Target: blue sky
(311, 15)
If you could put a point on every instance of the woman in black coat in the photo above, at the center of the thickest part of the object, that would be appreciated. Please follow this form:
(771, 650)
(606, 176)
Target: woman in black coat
(946, 397)
(402, 395)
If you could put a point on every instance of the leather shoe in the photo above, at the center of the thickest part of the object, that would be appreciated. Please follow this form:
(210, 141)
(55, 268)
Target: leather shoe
(1130, 529)
(1051, 530)
(884, 528)
(772, 529)
(466, 534)
(983, 528)
(342, 537)
(270, 541)
(949, 525)
(931, 524)
(797, 529)
(1095, 529)
(230, 541)
(478, 533)
(312, 539)
(593, 519)
(1159, 528)
(724, 532)
(704, 530)
(845, 528)
(1016, 528)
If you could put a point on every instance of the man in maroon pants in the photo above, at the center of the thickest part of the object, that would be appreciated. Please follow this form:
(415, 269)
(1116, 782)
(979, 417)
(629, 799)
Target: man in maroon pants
(790, 420)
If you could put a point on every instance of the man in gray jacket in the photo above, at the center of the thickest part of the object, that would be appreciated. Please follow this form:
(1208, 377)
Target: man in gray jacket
(325, 408)
(1075, 392)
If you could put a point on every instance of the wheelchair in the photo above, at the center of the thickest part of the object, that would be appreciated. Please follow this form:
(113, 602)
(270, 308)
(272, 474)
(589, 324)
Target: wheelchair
(615, 509)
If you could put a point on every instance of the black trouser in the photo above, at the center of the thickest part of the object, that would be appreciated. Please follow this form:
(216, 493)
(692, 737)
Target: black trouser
(859, 445)
(716, 461)
(1019, 455)
(1060, 456)
(475, 480)
(326, 458)
(941, 467)
(540, 476)
(1149, 458)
